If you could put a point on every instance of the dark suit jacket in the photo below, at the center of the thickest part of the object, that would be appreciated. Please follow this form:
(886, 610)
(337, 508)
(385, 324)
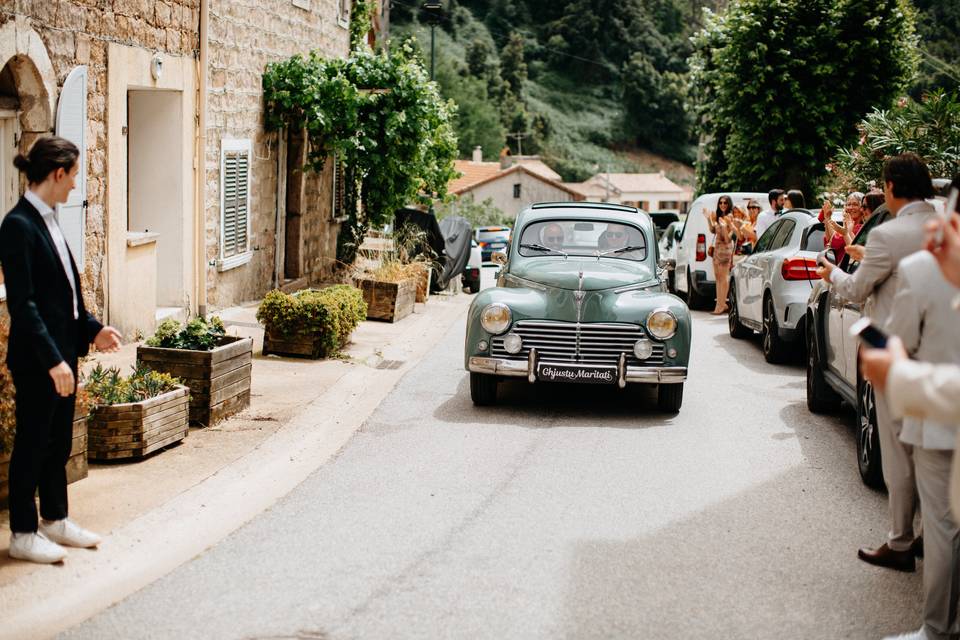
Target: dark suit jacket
(43, 331)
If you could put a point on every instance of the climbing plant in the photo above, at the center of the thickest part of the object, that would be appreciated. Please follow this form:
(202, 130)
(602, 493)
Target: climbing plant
(361, 21)
(381, 115)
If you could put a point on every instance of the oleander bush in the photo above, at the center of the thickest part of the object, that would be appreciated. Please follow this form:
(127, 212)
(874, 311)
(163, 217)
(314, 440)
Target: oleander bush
(197, 335)
(332, 313)
(108, 386)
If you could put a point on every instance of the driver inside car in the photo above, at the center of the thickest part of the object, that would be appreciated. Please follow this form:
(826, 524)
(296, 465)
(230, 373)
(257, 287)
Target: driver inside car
(551, 236)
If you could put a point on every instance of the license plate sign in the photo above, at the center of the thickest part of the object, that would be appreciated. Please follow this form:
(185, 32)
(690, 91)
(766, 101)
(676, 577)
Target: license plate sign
(578, 374)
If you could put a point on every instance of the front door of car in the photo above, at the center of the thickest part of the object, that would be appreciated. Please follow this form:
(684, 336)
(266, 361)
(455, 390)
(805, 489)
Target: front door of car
(752, 295)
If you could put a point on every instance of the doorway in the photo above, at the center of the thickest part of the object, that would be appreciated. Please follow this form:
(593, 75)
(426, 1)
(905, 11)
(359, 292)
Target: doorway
(9, 179)
(155, 185)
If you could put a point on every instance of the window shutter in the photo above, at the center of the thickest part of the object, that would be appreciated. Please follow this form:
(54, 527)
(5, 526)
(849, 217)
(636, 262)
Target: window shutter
(236, 176)
(72, 125)
(340, 176)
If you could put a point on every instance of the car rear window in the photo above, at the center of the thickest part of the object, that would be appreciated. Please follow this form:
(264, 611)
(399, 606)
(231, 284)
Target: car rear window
(814, 239)
(498, 235)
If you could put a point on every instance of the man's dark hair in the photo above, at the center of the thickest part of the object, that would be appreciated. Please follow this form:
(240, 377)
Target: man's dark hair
(797, 201)
(46, 156)
(773, 196)
(873, 200)
(909, 175)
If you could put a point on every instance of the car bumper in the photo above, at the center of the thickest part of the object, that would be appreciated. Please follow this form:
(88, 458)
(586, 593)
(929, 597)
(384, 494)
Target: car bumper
(702, 286)
(526, 369)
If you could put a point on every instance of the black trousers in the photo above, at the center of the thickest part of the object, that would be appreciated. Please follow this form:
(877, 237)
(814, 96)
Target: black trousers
(41, 448)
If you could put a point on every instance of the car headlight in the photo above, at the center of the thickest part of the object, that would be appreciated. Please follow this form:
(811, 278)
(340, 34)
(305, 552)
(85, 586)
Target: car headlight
(495, 318)
(662, 324)
(643, 349)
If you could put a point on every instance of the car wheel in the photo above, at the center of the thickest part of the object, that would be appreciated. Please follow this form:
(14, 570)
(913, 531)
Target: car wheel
(670, 397)
(737, 328)
(821, 398)
(868, 436)
(694, 299)
(483, 389)
(774, 348)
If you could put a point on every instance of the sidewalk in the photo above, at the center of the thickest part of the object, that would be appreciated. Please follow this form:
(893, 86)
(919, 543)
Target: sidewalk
(160, 512)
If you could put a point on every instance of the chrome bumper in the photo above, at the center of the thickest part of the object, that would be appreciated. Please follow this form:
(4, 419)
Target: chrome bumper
(527, 369)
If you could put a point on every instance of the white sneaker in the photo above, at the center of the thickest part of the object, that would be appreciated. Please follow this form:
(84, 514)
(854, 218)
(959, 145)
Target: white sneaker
(920, 634)
(34, 547)
(65, 532)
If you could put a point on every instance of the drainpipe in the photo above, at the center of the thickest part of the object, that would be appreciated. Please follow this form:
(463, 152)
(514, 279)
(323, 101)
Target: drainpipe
(201, 236)
(279, 236)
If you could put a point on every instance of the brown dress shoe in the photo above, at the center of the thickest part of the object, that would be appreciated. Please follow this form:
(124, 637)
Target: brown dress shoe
(884, 556)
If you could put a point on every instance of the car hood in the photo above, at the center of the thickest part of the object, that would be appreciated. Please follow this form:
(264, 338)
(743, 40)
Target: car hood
(605, 273)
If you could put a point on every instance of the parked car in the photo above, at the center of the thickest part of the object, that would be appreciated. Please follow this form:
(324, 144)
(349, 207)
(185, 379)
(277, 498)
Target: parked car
(492, 239)
(769, 288)
(662, 220)
(694, 277)
(471, 274)
(579, 300)
(668, 251)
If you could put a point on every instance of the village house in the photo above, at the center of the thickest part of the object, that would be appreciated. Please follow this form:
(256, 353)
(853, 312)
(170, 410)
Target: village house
(185, 204)
(647, 191)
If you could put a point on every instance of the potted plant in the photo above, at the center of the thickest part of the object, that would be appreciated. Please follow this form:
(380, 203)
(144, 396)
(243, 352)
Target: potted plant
(136, 415)
(216, 367)
(389, 290)
(312, 323)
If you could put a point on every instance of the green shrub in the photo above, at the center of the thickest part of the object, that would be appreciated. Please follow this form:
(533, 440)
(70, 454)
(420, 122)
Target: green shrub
(332, 313)
(198, 334)
(107, 386)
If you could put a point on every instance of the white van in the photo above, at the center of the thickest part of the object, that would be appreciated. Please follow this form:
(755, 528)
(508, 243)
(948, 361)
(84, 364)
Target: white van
(693, 277)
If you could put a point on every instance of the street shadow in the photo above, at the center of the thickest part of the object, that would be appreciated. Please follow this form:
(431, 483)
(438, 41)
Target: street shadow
(749, 353)
(542, 404)
(775, 560)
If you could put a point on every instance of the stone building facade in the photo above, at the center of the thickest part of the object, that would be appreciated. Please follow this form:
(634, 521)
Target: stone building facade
(292, 229)
(41, 43)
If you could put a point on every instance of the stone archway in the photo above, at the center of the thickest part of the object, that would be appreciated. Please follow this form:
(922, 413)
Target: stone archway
(24, 56)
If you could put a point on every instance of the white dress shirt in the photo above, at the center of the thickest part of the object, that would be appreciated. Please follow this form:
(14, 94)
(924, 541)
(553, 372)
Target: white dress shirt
(764, 220)
(50, 218)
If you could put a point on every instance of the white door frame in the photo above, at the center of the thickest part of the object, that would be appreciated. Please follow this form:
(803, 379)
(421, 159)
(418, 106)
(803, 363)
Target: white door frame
(9, 176)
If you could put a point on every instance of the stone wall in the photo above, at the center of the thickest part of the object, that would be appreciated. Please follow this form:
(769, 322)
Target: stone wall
(77, 32)
(246, 35)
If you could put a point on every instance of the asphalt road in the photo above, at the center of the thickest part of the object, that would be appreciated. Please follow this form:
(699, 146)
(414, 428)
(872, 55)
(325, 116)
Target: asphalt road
(566, 512)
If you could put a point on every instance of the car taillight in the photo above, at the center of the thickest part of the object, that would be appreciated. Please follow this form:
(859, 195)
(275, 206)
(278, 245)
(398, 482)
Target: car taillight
(799, 269)
(701, 247)
(483, 244)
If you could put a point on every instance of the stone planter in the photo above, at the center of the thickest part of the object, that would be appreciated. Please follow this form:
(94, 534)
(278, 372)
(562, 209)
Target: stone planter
(76, 465)
(219, 380)
(135, 429)
(390, 301)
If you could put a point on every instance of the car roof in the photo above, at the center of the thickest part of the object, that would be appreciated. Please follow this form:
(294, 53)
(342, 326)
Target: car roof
(585, 205)
(584, 211)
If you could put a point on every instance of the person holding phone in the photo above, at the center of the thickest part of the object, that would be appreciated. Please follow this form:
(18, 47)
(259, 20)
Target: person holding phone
(907, 184)
(50, 329)
(928, 328)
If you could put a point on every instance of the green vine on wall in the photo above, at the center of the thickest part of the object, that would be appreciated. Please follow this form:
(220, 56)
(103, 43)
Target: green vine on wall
(361, 22)
(378, 112)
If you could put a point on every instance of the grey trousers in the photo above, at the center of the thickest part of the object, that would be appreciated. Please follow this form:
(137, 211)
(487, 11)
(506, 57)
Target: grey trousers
(897, 462)
(941, 544)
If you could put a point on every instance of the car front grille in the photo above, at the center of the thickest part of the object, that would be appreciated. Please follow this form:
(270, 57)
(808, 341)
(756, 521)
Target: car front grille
(600, 343)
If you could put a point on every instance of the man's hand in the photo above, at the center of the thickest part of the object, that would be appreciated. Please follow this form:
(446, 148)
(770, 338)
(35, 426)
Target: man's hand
(856, 252)
(875, 363)
(825, 270)
(108, 340)
(63, 380)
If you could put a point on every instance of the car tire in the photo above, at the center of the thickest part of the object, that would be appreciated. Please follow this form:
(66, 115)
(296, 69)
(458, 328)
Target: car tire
(738, 330)
(474, 286)
(483, 389)
(670, 397)
(868, 437)
(694, 299)
(775, 350)
(821, 398)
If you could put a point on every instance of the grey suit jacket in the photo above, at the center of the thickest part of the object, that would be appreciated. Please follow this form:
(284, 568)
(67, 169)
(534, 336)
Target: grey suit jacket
(924, 318)
(874, 283)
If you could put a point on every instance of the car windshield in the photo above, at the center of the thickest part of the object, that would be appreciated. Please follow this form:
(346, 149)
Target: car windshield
(584, 238)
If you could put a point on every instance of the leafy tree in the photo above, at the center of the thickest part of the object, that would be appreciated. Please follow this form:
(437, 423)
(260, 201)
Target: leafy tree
(653, 106)
(513, 68)
(938, 26)
(779, 84)
(477, 121)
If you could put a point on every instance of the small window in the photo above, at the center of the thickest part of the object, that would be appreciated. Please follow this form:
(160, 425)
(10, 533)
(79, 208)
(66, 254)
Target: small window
(516, 191)
(235, 203)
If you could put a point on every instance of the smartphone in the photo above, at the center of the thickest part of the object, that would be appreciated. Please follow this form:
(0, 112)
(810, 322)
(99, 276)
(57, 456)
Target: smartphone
(869, 333)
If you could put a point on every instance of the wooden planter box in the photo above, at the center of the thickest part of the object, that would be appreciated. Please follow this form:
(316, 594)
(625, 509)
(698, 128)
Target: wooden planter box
(388, 301)
(135, 429)
(298, 345)
(423, 282)
(76, 465)
(219, 380)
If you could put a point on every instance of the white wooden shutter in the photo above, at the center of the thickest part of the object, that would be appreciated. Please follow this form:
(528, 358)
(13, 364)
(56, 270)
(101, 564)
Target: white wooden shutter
(72, 125)
(235, 190)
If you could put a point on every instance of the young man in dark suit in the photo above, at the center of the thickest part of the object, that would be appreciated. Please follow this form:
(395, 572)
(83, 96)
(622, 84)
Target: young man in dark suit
(50, 329)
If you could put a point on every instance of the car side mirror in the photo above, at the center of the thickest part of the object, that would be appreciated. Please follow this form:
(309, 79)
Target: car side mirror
(667, 263)
(498, 257)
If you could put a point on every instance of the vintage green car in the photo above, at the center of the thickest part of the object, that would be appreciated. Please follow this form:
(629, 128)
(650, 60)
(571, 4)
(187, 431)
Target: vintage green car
(580, 298)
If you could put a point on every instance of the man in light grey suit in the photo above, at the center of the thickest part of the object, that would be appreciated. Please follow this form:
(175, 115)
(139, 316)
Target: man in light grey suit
(907, 184)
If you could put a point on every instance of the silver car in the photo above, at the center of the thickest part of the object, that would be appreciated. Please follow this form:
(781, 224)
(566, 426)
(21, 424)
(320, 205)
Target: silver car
(769, 289)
